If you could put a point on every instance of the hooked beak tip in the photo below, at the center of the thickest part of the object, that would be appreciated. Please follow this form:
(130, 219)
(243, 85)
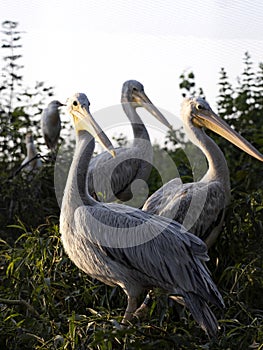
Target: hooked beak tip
(113, 153)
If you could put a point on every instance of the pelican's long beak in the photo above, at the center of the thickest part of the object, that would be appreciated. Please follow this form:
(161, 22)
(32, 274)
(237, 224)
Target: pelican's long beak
(142, 99)
(213, 122)
(83, 120)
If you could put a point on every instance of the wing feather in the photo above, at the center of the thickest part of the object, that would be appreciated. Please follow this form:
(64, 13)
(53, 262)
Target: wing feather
(111, 178)
(154, 250)
(51, 126)
(198, 206)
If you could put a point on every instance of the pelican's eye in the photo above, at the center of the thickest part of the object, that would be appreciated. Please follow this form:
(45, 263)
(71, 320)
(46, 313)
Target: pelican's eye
(75, 103)
(200, 107)
(136, 96)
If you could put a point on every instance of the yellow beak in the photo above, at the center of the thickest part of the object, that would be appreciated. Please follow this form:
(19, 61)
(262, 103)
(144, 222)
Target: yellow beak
(213, 122)
(142, 100)
(83, 120)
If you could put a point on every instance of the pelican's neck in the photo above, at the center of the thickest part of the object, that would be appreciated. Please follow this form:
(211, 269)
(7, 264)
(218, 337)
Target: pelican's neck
(75, 193)
(217, 165)
(138, 128)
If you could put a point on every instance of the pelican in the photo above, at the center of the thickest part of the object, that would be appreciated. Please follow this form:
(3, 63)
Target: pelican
(127, 247)
(200, 206)
(109, 177)
(51, 124)
(31, 154)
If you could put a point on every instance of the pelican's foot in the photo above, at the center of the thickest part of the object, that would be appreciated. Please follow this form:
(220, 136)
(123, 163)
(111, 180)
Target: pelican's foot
(143, 310)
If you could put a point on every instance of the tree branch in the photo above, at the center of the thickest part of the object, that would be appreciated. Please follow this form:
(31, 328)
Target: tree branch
(20, 302)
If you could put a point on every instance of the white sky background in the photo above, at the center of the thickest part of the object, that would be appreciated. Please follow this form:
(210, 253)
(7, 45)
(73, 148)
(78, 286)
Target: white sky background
(94, 46)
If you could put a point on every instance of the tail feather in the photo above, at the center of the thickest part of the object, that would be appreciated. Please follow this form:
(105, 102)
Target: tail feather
(206, 288)
(202, 314)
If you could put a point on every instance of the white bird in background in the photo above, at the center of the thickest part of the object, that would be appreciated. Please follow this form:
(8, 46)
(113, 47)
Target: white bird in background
(51, 124)
(31, 153)
(125, 246)
(200, 206)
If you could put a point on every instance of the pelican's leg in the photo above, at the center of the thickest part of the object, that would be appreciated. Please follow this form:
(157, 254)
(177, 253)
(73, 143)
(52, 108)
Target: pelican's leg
(177, 303)
(129, 312)
(144, 308)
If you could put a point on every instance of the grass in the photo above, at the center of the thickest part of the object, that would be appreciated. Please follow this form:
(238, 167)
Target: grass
(62, 308)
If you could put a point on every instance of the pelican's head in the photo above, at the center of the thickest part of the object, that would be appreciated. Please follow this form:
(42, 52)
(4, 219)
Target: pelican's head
(130, 89)
(133, 93)
(196, 113)
(78, 108)
(191, 107)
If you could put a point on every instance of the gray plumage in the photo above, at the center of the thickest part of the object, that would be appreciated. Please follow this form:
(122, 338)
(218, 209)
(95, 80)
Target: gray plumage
(124, 246)
(51, 124)
(111, 178)
(200, 206)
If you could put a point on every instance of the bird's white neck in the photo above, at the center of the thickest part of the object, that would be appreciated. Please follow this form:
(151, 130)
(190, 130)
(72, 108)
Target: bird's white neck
(217, 165)
(75, 190)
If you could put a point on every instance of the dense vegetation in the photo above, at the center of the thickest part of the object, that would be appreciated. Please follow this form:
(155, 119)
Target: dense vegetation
(48, 303)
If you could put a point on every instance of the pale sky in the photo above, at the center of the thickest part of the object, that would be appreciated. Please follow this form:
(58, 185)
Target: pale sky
(94, 46)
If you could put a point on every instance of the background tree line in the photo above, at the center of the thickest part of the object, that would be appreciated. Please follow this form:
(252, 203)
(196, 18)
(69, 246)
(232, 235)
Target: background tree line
(52, 304)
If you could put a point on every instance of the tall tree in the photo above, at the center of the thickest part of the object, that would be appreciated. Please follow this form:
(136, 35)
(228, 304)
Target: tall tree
(244, 101)
(12, 78)
(20, 108)
(20, 105)
(225, 101)
(188, 86)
